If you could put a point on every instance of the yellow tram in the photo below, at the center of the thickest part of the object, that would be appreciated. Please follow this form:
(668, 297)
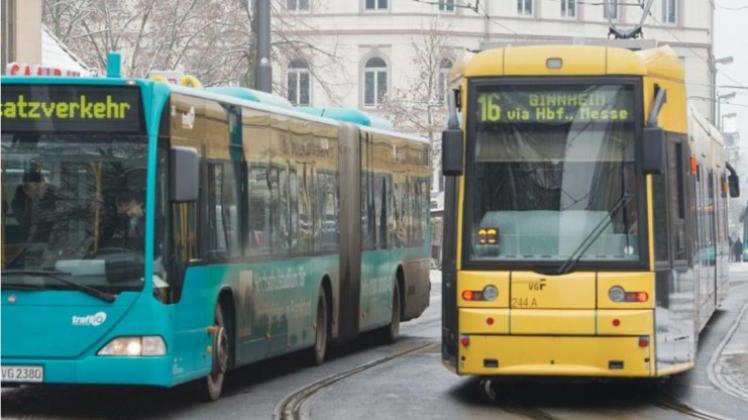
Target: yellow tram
(585, 215)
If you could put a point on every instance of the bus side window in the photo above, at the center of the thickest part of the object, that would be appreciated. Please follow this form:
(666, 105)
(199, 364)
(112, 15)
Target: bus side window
(229, 206)
(259, 200)
(213, 226)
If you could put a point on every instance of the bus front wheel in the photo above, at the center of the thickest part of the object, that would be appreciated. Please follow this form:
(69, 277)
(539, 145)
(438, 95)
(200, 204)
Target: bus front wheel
(210, 387)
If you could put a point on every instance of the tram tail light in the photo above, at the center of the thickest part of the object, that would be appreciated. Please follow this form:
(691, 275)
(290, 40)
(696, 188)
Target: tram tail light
(639, 296)
(643, 341)
(488, 236)
(618, 294)
(489, 293)
(694, 165)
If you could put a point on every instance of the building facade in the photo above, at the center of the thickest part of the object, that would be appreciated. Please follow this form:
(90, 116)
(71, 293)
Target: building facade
(372, 43)
(22, 31)
(362, 51)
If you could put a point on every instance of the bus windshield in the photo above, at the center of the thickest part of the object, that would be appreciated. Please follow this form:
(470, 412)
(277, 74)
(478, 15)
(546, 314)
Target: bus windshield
(552, 174)
(73, 191)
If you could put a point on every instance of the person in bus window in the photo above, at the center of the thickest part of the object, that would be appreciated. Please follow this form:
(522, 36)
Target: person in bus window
(34, 206)
(127, 228)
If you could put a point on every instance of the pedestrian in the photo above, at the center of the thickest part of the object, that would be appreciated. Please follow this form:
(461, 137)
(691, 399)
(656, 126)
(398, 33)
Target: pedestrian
(737, 249)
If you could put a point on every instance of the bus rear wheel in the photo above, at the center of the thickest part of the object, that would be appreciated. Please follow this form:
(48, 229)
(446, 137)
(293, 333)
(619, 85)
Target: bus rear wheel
(392, 331)
(321, 327)
(210, 387)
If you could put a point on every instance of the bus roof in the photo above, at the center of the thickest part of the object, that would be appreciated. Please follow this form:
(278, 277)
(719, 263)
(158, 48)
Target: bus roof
(240, 96)
(349, 115)
(252, 95)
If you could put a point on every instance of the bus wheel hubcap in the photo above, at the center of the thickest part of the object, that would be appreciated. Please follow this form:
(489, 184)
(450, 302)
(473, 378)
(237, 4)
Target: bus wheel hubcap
(221, 351)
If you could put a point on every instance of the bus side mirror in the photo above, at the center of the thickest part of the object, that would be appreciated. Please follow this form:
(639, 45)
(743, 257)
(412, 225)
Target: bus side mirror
(452, 152)
(734, 185)
(185, 169)
(654, 151)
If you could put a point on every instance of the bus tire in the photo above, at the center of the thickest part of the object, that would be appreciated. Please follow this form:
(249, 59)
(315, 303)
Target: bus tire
(392, 331)
(321, 328)
(209, 388)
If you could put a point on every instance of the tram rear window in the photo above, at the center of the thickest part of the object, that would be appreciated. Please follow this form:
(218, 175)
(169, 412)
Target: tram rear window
(69, 108)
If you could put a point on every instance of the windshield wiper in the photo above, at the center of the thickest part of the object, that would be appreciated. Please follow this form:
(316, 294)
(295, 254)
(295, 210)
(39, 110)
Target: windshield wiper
(587, 242)
(19, 286)
(57, 275)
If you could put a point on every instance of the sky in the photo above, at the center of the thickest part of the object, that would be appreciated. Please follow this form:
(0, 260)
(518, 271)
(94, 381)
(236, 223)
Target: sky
(731, 39)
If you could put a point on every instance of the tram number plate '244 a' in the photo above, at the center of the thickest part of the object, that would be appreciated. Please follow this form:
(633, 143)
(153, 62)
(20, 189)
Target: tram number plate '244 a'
(23, 374)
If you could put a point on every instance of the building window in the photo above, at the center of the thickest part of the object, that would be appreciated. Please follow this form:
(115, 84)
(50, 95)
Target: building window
(524, 7)
(298, 5)
(569, 8)
(442, 84)
(376, 5)
(375, 81)
(298, 85)
(610, 9)
(669, 11)
(446, 6)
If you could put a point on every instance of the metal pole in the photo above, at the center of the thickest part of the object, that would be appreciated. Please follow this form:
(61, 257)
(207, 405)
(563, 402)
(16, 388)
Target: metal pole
(263, 75)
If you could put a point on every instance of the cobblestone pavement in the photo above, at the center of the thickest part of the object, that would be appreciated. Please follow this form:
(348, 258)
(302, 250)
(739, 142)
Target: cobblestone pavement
(732, 363)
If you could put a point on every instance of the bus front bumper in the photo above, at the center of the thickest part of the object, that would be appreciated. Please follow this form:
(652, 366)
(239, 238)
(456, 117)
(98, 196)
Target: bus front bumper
(110, 370)
(558, 355)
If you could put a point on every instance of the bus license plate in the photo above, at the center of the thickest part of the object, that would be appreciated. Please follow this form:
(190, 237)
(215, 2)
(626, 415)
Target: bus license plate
(23, 374)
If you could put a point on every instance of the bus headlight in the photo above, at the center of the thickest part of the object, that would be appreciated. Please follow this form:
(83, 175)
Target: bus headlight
(148, 345)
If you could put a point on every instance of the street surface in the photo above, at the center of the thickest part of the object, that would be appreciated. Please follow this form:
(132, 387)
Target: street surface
(367, 380)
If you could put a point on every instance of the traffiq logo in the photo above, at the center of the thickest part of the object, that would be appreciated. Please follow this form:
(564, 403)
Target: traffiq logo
(90, 320)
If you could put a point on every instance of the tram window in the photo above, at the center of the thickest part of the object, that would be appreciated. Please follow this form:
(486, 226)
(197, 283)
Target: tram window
(710, 213)
(677, 199)
(661, 237)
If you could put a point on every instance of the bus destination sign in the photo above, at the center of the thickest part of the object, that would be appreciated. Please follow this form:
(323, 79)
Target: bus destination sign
(66, 108)
(601, 103)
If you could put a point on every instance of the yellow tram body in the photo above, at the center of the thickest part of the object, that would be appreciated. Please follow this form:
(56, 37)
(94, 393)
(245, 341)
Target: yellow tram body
(546, 323)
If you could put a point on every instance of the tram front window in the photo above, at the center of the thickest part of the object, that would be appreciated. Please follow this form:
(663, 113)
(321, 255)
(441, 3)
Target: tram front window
(553, 175)
(73, 193)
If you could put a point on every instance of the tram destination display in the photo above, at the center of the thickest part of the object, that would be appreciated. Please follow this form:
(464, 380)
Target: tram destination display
(603, 103)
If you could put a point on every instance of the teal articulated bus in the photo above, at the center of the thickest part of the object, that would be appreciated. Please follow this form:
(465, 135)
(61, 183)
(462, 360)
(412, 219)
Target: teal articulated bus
(156, 234)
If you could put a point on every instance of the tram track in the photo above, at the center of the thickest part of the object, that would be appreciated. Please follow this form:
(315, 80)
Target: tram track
(290, 407)
(509, 404)
(668, 402)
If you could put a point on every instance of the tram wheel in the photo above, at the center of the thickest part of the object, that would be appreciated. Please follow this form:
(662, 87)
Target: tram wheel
(210, 387)
(392, 331)
(321, 328)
